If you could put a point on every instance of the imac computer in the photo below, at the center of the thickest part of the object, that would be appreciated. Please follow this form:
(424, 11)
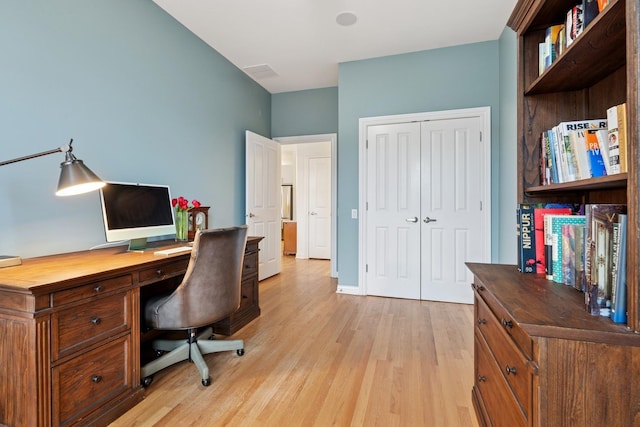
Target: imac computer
(135, 212)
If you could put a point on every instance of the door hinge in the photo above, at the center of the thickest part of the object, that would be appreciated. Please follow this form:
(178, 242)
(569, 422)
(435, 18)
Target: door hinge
(480, 204)
(366, 144)
(366, 268)
(480, 136)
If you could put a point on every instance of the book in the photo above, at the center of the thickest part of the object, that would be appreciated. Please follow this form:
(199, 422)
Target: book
(595, 159)
(553, 161)
(616, 119)
(526, 239)
(602, 4)
(577, 139)
(599, 244)
(569, 254)
(567, 156)
(574, 23)
(538, 225)
(579, 258)
(553, 227)
(619, 295)
(589, 12)
(603, 143)
(551, 44)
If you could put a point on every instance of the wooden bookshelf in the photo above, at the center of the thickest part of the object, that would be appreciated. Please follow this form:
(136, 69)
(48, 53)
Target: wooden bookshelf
(563, 348)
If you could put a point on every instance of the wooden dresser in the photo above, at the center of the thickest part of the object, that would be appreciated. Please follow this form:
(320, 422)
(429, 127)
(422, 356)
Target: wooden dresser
(541, 360)
(70, 332)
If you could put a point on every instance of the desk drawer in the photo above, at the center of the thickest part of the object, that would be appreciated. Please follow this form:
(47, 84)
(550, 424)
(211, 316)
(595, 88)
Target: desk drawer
(80, 326)
(163, 271)
(250, 264)
(90, 380)
(91, 290)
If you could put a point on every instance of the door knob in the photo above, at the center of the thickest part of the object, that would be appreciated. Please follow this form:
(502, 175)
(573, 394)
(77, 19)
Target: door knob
(313, 213)
(427, 220)
(251, 215)
(414, 219)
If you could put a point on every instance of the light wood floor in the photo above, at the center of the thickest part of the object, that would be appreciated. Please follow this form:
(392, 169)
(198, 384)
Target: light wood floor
(317, 358)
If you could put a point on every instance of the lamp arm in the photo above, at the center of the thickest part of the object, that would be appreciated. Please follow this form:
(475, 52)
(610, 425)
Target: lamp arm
(63, 149)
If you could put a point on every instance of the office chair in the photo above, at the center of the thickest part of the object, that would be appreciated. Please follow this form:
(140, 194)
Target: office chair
(209, 292)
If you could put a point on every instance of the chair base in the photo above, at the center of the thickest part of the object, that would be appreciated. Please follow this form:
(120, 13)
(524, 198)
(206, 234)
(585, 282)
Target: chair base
(191, 349)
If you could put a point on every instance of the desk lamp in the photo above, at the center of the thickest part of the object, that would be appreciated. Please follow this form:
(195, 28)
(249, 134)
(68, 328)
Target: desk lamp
(75, 178)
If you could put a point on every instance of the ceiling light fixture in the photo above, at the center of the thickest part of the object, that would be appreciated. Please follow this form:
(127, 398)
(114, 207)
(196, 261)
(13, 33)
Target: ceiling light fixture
(346, 19)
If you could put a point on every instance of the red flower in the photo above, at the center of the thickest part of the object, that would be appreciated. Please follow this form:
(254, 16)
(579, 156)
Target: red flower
(183, 204)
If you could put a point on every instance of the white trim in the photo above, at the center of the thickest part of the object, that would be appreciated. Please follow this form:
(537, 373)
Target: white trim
(484, 113)
(333, 138)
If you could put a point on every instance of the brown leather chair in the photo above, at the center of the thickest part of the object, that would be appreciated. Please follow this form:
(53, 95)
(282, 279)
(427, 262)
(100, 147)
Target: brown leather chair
(209, 292)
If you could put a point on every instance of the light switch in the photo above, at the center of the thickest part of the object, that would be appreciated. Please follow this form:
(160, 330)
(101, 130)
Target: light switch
(354, 213)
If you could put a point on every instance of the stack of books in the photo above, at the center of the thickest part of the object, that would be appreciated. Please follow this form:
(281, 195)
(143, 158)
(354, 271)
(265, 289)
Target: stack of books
(582, 246)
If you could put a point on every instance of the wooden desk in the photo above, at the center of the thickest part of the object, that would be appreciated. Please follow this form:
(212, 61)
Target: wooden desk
(70, 332)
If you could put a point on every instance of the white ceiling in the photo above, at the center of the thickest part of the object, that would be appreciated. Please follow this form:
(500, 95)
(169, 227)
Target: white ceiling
(302, 43)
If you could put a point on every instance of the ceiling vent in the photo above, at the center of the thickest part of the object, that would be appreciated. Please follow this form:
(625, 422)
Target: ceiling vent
(261, 71)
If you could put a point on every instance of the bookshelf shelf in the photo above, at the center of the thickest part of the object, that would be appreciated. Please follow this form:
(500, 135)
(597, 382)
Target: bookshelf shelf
(601, 183)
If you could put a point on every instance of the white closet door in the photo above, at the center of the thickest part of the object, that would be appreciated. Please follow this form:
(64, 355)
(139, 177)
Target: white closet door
(393, 213)
(451, 205)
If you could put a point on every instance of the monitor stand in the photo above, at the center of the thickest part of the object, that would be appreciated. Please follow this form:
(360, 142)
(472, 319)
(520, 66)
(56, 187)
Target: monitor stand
(137, 245)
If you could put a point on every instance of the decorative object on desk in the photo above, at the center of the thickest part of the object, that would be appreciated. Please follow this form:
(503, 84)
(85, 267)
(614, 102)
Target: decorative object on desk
(198, 220)
(75, 177)
(182, 207)
(9, 260)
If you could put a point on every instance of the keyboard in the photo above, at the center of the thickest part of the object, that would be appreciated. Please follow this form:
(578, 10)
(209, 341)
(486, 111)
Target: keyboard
(173, 251)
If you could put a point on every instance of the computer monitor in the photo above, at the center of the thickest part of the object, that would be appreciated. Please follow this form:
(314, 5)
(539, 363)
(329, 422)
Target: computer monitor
(134, 212)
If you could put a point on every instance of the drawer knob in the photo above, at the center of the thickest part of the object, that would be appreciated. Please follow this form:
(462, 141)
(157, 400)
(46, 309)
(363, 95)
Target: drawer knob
(482, 321)
(96, 379)
(510, 370)
(507, 323)
(98, 288)
(159, 272)
(96, 320)
(482, 378)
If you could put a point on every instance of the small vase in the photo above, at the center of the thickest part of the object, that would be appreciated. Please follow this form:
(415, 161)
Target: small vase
(182, 225)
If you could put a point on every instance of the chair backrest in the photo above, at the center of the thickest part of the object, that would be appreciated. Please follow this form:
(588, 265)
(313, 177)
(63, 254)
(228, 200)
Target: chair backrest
(210, 290)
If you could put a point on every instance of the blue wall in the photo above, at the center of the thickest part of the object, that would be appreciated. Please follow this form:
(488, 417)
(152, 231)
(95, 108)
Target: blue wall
(305, 112)
(507, 192)
(442, 79)
(144, 99)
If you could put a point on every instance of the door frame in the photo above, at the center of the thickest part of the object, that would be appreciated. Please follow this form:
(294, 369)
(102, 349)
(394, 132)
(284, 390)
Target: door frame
(484, 113)
(332, 138)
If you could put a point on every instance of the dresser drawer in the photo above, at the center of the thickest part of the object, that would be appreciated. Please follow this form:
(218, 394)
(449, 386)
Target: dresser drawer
(90, 380)
(163, 271)
(520, 337)
(79, 326)
(510, 360)
(496, 396)
(91, 289)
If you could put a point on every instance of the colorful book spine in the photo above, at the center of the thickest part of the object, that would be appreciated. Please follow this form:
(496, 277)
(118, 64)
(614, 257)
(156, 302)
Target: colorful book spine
(556, 222)
(619, 296)
(526, 239)
(538, 224)
(596, 162)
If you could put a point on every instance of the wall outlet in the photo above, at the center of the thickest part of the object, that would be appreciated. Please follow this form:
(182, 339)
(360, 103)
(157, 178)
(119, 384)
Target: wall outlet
(354, 213)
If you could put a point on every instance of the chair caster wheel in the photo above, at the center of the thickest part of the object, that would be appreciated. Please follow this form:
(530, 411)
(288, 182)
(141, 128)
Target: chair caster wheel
(146, 381)
(206, 382)
(158, 353)
(240, 352)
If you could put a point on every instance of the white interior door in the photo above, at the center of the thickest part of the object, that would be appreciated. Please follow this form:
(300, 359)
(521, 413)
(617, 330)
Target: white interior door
(319, 207)
(451, 198)
(263, 200)
(393, 210)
